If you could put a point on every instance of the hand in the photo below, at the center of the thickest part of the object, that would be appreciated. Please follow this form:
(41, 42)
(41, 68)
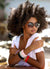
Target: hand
(36, 44)
(13, 50)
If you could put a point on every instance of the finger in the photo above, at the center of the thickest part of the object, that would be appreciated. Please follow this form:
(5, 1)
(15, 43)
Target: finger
(35, 38)
(41, 42)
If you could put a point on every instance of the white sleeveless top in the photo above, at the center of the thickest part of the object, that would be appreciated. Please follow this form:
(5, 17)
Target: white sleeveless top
(32, 54)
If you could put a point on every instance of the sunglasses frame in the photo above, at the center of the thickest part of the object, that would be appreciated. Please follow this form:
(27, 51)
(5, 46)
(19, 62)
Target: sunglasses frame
(33, 25)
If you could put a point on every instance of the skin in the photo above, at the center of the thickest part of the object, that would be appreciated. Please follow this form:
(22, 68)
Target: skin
(29, 31)
(40, 62)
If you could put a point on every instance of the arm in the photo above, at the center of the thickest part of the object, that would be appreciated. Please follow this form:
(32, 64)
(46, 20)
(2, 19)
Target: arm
(40, 62)
(14, 59)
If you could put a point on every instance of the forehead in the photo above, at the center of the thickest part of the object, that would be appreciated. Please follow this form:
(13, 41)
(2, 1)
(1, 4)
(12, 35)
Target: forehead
(32, 19)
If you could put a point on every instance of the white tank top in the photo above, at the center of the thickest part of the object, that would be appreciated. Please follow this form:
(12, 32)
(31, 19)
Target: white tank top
(32, 54)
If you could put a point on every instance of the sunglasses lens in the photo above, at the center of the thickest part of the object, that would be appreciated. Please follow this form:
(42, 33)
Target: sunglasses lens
(37, 25)
(30, 25)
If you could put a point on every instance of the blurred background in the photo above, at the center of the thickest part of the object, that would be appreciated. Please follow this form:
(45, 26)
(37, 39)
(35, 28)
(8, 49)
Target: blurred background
(6, 36)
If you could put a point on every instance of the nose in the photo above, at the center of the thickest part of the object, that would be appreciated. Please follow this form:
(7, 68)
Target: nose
(34, 26)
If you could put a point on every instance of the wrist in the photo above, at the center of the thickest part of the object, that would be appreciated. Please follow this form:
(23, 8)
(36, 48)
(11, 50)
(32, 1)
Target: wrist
(21, 54)
(17, 51)
(26, 58)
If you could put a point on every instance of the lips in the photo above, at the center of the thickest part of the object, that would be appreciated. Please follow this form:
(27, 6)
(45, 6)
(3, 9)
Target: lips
(32, 30)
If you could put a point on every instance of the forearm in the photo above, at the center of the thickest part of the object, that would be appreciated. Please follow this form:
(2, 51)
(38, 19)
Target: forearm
(31, 48)
(34, 45)
(14, 59)
(27, 50)
(35, 63)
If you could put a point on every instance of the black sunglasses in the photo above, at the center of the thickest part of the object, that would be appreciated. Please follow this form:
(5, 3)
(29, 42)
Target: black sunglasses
(30, 24)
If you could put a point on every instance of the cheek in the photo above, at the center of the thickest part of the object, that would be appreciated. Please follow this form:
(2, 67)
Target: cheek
(36, 29)
(33, 30)
(27, 29)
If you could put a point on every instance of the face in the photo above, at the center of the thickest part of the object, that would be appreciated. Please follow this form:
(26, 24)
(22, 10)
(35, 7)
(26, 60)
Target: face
(31, 26)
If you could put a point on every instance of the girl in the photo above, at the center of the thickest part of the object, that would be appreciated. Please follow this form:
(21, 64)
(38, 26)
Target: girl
(26, 23)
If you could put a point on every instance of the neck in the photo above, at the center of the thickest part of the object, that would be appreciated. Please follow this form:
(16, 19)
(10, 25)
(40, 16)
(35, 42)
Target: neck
(26, 36)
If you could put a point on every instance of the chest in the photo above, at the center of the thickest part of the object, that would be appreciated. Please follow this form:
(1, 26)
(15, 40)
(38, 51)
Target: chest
(22, 44)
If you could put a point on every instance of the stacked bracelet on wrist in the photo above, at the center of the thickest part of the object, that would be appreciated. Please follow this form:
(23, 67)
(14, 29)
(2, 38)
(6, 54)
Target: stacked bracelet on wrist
(26, 58)
(22, 55)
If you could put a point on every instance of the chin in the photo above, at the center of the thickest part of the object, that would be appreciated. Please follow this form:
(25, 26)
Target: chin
(32, 33)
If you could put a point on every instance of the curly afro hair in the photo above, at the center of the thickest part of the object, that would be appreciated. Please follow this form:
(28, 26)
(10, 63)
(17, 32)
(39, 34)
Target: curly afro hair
(22, 14)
